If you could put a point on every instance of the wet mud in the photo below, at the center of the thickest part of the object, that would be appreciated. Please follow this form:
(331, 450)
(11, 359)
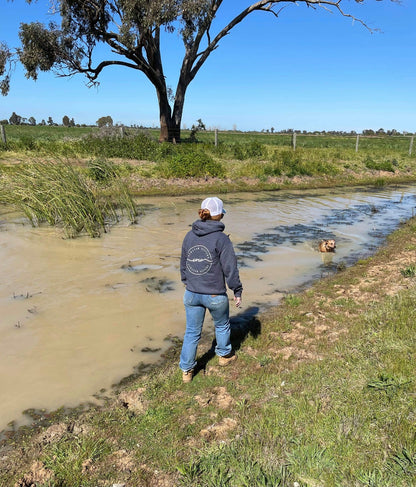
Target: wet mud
(158, 285)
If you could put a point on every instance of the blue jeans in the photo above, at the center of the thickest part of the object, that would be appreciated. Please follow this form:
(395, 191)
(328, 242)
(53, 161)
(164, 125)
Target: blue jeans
(195, 308)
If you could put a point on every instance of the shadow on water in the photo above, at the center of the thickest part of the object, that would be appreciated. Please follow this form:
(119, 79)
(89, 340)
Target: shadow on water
(243, 325)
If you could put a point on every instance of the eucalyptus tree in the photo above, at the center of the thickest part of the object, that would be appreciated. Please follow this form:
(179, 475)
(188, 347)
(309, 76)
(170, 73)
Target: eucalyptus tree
(15, 119)
(132, 30)
(5, 62)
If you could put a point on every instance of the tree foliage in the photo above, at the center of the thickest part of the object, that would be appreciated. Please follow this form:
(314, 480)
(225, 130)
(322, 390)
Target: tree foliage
(5, 63)
(132, 30)
(105, 121)
(15, 119)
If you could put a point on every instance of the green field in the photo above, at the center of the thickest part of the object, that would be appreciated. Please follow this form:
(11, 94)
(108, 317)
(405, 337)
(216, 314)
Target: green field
(54, 133)
(45, 132)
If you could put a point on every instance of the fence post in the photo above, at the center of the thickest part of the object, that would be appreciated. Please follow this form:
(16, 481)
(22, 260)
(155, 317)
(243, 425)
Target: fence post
(3, 134)
(216, 137)
(411, 145)
(356, 143)
(294, 140)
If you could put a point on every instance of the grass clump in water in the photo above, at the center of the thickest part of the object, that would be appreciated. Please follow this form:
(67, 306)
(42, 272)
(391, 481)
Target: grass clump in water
(59, 194)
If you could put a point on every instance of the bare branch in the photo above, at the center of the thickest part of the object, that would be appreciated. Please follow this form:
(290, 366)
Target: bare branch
(270, 7)
(93, 73)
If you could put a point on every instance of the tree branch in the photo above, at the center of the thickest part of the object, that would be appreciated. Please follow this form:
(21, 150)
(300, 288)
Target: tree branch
(268, 6)
(93, 73)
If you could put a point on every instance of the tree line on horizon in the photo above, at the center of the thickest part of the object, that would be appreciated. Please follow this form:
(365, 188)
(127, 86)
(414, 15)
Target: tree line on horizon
(107, 121)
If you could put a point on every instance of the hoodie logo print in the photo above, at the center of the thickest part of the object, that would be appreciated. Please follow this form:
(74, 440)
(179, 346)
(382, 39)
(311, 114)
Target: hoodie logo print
(199, 260)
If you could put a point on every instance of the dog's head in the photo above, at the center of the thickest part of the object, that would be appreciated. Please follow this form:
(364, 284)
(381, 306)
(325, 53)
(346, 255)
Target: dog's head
(327, 246)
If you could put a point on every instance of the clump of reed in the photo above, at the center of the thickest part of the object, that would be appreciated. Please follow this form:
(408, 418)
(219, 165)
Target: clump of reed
(60, 194)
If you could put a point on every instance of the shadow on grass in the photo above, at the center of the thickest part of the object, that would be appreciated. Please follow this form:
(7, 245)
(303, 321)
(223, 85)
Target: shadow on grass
(243, 325)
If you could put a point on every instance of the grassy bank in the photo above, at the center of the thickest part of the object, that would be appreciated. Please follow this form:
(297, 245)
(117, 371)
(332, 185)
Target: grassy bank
(322, 394)
(240, 161)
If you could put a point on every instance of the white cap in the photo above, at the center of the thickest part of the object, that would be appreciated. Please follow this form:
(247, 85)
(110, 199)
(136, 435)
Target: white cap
(214, 205)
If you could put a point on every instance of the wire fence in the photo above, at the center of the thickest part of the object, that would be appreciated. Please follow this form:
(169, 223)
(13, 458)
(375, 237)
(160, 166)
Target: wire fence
(295, 140)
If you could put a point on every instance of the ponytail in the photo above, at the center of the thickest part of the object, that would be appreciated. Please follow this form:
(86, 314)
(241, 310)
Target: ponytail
(204, 214)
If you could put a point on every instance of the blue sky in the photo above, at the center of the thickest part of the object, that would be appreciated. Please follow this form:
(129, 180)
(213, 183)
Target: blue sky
(307, 70)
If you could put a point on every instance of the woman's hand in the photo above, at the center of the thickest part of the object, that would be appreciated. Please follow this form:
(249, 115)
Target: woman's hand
(237, 301)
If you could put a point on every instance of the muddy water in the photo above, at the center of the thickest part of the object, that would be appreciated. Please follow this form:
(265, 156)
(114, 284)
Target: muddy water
(76, 316)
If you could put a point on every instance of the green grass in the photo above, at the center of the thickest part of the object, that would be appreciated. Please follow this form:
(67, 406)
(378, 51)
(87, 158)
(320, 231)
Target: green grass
(236, 145)
(409, 271)
(45, 132)
(70, 459)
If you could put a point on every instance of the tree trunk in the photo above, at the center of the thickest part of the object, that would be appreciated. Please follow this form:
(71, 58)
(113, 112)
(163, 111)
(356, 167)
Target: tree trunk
(169, 130)
(170, 122)
(170, 126)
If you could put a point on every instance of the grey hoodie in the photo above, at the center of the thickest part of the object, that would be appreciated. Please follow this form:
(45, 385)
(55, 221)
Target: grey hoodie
(208, 260)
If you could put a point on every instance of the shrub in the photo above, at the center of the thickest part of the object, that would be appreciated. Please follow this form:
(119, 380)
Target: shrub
(26, 142)
(238, 152)
(253, 149)
(293, 164)
(273, 169)
(166, 150)
(379, 166)
(190, 164)
(137, 147)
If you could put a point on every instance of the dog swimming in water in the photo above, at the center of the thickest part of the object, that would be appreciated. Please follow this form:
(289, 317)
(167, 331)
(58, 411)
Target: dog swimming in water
(327, 245)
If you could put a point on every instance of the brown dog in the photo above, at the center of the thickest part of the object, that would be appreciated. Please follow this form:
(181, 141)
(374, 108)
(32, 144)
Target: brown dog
(327, 246)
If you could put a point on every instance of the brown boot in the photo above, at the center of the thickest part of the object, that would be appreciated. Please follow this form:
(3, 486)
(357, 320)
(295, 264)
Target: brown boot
(188, 375)
(227, 359)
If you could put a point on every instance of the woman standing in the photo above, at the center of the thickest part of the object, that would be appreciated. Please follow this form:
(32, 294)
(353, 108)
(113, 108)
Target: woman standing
(208, 263)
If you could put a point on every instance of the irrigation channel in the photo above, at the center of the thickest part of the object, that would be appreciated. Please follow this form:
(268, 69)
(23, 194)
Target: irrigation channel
(77, 315)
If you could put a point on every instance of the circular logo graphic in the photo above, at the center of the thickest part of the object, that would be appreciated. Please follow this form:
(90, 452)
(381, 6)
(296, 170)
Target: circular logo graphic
(199, 260)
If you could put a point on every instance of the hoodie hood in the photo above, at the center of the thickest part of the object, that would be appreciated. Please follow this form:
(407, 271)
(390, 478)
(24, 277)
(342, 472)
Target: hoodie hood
(201, 228)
